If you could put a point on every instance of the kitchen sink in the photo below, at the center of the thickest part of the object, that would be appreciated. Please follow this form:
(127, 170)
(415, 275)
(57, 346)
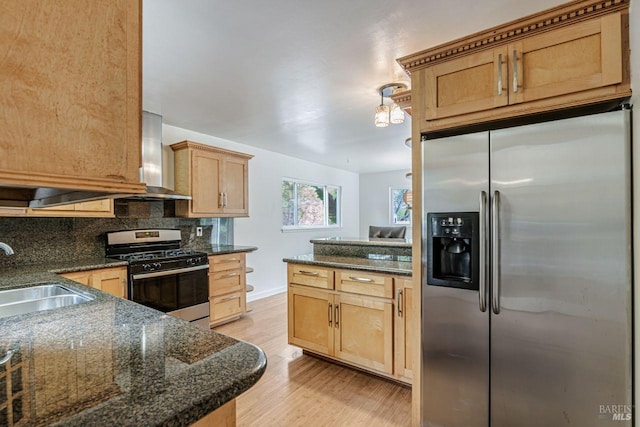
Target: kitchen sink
(48, 296)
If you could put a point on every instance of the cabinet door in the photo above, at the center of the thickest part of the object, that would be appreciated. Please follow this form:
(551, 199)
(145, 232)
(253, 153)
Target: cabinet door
(404, 335)
(71, 79)
(235, 186)
(94, 208)
(572, 59)
(225, 282)
(308, 275)
(472, 83)
(364, 332)
(310, 313)
(227, 262)
(359, 282)
(83, 277)
(206, 193)
(111, 280)
(226, 307)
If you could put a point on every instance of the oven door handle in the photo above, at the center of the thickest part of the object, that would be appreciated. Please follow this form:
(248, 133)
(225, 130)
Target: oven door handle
(169, 272)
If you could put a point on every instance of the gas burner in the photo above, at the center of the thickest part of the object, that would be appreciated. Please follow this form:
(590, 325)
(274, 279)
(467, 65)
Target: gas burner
(157, 255)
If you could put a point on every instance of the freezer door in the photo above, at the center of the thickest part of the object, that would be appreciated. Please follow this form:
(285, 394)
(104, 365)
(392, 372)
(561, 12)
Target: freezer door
(455, 332)
(561, 343)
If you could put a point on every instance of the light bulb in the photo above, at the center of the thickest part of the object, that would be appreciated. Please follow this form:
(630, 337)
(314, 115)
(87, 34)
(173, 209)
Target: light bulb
(382, 116)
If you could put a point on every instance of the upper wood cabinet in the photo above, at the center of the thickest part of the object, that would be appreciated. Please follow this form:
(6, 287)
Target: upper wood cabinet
(572, 55)
(216, 179)
(96, 208)
(70, 77)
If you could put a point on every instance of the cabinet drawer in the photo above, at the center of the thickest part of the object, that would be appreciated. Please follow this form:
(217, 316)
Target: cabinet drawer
(357, 282)
(227, 281)
(310, 276)
(226, 306)
(226, 262)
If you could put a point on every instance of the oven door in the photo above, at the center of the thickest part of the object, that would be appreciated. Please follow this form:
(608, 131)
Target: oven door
(171, 290)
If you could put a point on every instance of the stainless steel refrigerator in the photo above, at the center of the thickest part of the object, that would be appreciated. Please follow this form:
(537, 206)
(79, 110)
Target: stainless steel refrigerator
(527, 272)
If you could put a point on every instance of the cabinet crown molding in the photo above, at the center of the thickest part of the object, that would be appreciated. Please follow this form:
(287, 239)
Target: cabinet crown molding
(190, 144)
(549, 19)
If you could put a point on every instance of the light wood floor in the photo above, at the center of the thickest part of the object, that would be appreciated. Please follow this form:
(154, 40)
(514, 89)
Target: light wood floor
(301, 390)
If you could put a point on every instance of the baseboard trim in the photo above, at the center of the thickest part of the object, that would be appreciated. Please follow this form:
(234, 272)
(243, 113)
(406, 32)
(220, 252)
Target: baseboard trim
(264, 294)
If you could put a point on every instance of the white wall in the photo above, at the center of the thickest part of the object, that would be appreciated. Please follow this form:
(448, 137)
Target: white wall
(634, 30)
(375, 198)
(263, 227)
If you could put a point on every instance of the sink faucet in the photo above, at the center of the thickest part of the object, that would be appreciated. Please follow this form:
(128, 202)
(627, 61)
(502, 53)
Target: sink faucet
(6, 248)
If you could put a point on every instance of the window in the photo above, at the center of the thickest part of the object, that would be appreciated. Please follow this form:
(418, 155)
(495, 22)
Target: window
(400, 209)
(307, 205)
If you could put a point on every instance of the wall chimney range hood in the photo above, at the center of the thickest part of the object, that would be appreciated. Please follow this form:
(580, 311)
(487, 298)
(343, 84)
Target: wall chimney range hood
(151, 172)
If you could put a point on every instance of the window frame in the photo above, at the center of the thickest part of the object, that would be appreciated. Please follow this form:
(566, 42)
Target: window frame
(325, 187)
(391, 216)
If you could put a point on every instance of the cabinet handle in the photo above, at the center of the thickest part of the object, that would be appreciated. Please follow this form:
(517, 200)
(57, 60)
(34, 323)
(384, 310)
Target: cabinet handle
(399, 302)
(227, 260)
(228, 275)
(515, 71)
(337, 316)
(225, 200)
(361, 279)
(500, 74)
(221, 200)
(228, 298)
(329, 314)
(309, 273)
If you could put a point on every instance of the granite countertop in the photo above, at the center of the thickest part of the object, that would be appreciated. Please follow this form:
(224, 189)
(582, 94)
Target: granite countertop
(376, 263)
(68, 266)
(111, 361)
(362, 241)
(225, 249)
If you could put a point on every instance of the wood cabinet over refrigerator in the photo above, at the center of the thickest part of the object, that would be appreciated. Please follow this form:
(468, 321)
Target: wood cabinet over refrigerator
(572, 55)
(70, 74)
(215, 178)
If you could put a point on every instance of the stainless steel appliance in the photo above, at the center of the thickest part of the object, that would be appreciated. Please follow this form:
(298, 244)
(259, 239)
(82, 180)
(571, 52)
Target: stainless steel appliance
(161, 274)
(544, 338)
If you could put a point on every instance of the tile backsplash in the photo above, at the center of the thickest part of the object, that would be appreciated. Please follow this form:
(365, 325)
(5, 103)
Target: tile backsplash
(36, 240)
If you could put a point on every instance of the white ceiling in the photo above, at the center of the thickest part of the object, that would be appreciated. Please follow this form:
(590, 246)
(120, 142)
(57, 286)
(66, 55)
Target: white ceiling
(299, 77)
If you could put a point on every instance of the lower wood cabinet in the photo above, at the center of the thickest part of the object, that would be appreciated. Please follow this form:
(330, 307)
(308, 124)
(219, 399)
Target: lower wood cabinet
(111, 280)
(310, 319)
(227, 287)
(404, 331)
(364, 331)
(359, 322)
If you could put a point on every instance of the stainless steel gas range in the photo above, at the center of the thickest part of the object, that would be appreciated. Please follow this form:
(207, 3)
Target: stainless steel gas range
(162, 275)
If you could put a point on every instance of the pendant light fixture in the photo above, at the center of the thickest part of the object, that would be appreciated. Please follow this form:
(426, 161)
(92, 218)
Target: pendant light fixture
(385, 114)
(382, 113)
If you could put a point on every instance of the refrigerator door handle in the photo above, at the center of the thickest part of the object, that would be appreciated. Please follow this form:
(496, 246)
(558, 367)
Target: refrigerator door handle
(482, 234)
(495, 252)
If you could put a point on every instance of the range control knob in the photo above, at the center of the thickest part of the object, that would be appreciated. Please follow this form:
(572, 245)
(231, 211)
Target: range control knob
(146, 267)
(156, 265)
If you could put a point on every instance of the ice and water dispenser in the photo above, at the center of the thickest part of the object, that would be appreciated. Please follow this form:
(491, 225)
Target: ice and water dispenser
(452, 250)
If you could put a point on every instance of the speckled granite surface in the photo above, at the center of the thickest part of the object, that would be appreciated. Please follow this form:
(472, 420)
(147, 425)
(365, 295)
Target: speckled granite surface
(397, 266)
(111, 362)
(365, 241)
(225, 249)
(360, 247)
